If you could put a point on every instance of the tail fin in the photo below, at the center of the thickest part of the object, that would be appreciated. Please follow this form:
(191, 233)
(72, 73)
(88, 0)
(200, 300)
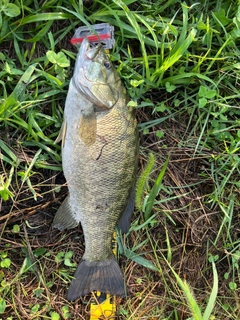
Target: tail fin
(104, 276)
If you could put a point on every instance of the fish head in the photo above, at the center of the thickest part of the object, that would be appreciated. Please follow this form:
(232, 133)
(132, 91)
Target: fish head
(95, 77)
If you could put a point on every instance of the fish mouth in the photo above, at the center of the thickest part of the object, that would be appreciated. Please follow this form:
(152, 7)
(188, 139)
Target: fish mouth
(89, 51)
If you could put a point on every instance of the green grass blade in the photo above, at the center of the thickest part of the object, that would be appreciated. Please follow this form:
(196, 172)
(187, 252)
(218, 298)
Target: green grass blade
(38, 36)
(132, 19)
(27, 172)
(144, 224)
(175, 55)
(18, 92)
(189, 77)
(144, 262)
(47, 16)
(130, 254)
(142, 181)
(155, 122)
(52, 153)
(113, 13)
(164, 6)
(192, 303)
(213, 295)
(155, 190)
(152, 31)
(78, 15)
(11, 156)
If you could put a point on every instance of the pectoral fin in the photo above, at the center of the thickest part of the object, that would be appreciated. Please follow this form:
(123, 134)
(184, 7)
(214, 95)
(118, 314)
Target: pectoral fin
(65, 218)
(88, 128)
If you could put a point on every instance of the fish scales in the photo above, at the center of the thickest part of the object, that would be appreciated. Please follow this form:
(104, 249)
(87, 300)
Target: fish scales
(99, 156)
(107, 182)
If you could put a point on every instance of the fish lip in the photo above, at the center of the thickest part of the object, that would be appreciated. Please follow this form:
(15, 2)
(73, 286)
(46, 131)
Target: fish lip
(88, 52)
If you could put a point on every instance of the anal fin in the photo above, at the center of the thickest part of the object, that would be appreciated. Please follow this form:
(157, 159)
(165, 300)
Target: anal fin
(65, 217)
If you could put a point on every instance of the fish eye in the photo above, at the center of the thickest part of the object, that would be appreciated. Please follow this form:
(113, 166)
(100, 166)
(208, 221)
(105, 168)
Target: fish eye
(107, 64)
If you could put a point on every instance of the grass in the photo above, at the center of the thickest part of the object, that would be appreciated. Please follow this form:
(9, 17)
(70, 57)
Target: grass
(179, 62)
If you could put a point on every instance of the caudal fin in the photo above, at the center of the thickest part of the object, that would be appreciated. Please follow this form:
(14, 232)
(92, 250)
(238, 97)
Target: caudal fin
(104, 276)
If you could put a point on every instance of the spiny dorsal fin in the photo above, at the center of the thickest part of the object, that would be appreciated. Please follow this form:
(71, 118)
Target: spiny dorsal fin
(62, 133)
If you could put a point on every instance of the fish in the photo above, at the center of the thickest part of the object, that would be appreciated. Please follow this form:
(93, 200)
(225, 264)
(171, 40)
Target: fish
(100, 145)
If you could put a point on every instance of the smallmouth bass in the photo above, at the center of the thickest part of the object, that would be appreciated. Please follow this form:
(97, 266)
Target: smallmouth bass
(99, 157)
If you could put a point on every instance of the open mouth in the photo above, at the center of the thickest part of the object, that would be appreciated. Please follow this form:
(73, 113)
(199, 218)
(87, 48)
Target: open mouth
(92, 50)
